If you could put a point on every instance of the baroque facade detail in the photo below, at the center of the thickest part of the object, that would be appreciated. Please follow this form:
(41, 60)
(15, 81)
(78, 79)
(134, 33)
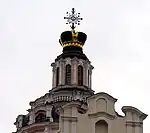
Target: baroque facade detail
(71, 106)
(74, 64)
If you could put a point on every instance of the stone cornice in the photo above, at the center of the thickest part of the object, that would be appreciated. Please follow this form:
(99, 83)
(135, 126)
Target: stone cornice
(141, 115)
(39, 126)
(102, 114)
(68, 118)
(39, 100)
(72, 104)
(72, 86)
(134, 124)
(104, 95)
(61, 93)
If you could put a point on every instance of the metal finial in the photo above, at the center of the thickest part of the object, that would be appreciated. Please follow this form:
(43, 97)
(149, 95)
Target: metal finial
(73, 19)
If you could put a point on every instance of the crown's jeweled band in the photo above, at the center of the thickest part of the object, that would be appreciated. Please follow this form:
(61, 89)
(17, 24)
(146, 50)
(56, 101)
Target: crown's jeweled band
(77, 44)
(73, 42)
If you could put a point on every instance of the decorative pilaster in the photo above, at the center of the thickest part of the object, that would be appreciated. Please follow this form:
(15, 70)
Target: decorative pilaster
(63, 73)
(54, 75)
(84, 74)
(90, 78)
(74, 122)
(139, 127)
(74, 71)
(60, 73)
(66, 126)
(134, 127)
(48, 113)
(68, 119)
(129, 127)
(31, 118)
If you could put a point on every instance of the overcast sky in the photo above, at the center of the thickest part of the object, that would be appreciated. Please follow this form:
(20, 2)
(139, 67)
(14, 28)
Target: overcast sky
(118, 46)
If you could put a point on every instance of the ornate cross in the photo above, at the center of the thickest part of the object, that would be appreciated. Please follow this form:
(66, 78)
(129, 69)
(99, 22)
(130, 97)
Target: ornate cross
(73, 19)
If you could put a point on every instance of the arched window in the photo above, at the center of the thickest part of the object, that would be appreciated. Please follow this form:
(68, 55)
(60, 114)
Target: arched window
(68, 74)
(101, 127)
(57, 76)
(80, 75)
(40, 116)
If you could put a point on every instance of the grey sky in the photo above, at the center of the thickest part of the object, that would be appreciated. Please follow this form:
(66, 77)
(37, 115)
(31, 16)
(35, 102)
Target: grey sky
(118, 45)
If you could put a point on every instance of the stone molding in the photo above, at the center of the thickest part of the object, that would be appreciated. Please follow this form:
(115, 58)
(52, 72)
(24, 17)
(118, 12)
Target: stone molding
(74, 86)
(102, 114)
(103, 94)
(62, 95)
(69, 118)
(72, 104)
(126, 109)
(38, 102)
(134, 124)
(42, 125)
(38, 108)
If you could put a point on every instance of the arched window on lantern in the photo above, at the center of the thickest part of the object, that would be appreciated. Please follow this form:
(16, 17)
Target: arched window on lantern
(68, 74)
(80, 75)
(57, 76)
